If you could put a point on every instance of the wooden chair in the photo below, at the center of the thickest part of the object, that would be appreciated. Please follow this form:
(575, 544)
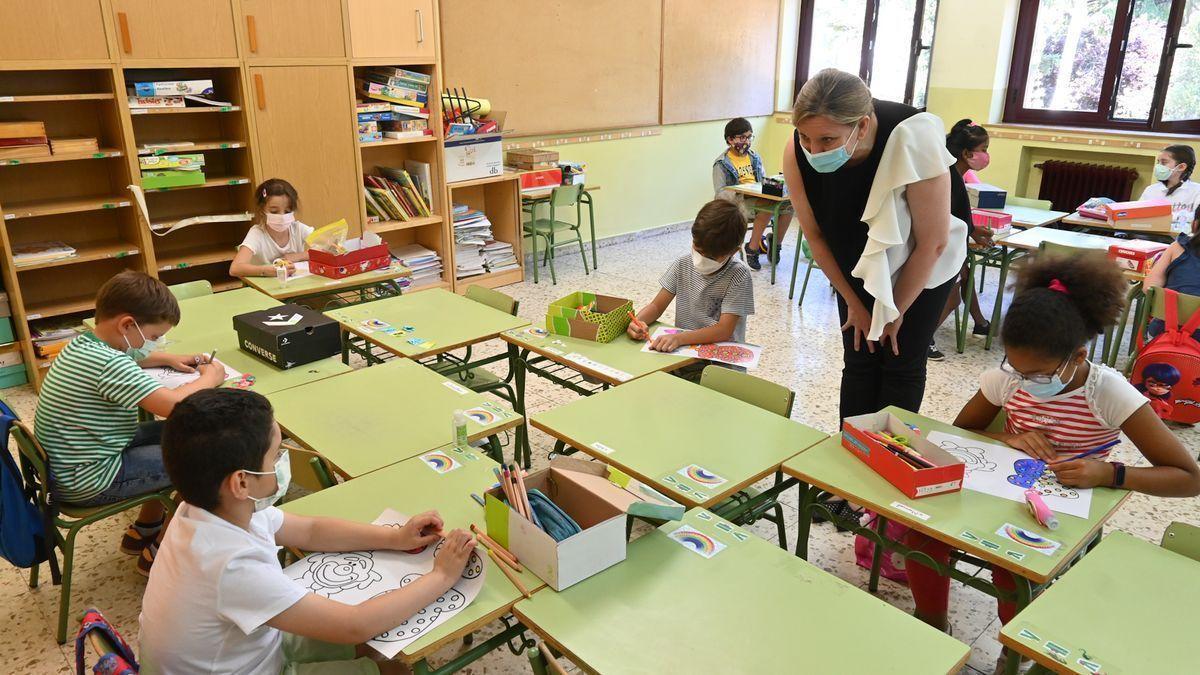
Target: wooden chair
(191, 289)
(770, 397)
(561, 197)
(1155, 308)
(65, 521)
(1183, 539)
(802, 246)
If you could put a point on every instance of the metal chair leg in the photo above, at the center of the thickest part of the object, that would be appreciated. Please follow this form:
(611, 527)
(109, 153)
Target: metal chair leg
(804, 286)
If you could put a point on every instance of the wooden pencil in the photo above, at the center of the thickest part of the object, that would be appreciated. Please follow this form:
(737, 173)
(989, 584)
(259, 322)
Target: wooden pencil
(500, 550)
(522, 493)
(508, 573)
(549, 657)
(484, 548)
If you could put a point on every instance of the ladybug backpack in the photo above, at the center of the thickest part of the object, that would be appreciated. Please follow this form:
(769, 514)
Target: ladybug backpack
(1167, 370)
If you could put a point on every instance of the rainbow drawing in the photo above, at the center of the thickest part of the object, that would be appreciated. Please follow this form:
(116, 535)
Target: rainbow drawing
(1027, 538)
(701, 476)
(483, 416)
(537, 332)
(440, 462)
(696, 541)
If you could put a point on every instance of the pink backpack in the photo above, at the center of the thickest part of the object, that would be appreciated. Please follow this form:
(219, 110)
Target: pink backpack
(892, 564)
(1167, 370)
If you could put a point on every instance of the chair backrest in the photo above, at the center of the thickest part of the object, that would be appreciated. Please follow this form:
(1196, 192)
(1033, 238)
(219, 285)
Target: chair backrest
(1029, 202)
(191, 289)
(32, 456)
(999, 421)
(767, 395)
(1183, 539)
(493, 298)
(1156, 301)
(565, 195)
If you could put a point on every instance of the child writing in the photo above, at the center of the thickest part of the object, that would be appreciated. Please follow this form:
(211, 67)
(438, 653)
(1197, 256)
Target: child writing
(1059, 405)
(276, 236)
(218, 601)
(739, 165)
(1178, 268)
(713, 291)
(87, 419)
(1171, 173)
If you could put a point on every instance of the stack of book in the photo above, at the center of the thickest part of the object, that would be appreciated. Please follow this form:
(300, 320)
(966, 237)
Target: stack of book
(171, 171)
(425, 265)
(395, 196)
(498, 256)
(74, 146)
(20, 140)
(35, 252)
(397, 106)
(171, 94)
(472, 231)
(49, 341)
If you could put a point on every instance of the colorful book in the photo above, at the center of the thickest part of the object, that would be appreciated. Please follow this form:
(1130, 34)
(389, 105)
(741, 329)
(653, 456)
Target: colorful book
(390, 71)
(173, 88)
(139, 102)
(409, 112)
(402, 82)
(382, 92)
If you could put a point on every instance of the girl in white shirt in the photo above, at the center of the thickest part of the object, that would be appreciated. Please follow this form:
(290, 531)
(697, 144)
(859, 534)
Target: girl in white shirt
(276, 234)
(1171, 173)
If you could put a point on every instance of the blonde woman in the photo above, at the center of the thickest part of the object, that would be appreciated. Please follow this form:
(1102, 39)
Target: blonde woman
(870, 183)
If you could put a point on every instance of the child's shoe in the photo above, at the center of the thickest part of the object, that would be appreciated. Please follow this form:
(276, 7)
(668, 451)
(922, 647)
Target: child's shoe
(982, 328)
(138, 536)
(752, 257)
(146, 560)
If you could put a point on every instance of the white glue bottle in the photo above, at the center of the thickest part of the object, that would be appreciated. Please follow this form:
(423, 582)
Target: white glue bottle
(460, 429)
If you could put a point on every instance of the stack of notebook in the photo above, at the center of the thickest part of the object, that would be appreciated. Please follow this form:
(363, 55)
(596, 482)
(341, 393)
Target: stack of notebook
(21, 140)
(74, 146)
(425, 265)
(32, 253)
(498, 256)
(472, 231)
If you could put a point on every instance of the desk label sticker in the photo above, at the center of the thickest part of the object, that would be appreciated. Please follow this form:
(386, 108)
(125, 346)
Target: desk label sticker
(701, 476)
(696, 541)
(1024, 537)
(602, 448)
(481, 416)
(456, 388)
(1029, 635)
(440, 462)
(900, 506)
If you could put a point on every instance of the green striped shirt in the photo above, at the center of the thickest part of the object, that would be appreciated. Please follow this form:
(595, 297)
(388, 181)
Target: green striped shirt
(87, 414)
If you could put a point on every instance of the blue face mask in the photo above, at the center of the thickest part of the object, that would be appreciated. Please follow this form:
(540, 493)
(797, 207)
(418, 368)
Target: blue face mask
(140, 353)
(831, 160)
(1046, 390)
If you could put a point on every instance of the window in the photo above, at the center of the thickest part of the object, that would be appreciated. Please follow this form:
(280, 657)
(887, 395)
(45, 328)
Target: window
(844, 34)
(1117, 64)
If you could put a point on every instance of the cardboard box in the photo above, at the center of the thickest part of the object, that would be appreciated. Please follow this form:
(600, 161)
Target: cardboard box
(597, 498)
(288, 335)
(13, 376)
(188, 162)
(945, 476)
(1150, 215)
(1136, 254)
(540, 180)
(173, 88)
(588, 316)
(998, 222)
(985, 196)
(362, 255)
(531, 156)
(170, 178)
(471, 156)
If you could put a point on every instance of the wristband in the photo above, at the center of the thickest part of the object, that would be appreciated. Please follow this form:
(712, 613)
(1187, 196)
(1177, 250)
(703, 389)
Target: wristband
(1118, 474)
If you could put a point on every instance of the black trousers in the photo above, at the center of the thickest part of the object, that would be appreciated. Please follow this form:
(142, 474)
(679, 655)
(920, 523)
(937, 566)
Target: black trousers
(871, 381)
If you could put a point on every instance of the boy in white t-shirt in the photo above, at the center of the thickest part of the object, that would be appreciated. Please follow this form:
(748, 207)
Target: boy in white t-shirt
(276, 234)
(218, 601)
(1172, 172)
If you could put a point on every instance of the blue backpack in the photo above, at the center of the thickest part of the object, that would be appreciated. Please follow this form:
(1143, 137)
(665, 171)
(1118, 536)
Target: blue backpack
(22, 526)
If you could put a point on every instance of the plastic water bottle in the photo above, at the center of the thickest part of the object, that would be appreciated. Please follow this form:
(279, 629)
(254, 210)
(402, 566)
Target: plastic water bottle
(460, 429)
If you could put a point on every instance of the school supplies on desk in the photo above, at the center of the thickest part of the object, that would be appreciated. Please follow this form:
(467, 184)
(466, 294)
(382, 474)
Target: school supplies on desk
(589, 316)
(1089, 453)
(174, 379)
(916, 466)
(1039, 510)
(734, 353)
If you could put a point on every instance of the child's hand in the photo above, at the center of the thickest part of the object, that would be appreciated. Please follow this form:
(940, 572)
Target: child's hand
(211, 374)
(1033, 443)
(423, 529)
(184, 363)
(635, 332)
(668, 342)
(1083, 473)
(453, 556)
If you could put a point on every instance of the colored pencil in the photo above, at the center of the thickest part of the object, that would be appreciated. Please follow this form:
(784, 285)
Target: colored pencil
(549, 657)
(522, 495)
(500, 550)
(1093, 451)
(638, 322)
(483, 549)
(509, 573)
(478, 499)
(504, 487)
(525, 496)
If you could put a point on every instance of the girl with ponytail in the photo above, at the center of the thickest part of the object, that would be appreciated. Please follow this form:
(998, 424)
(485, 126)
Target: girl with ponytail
(1172, 174)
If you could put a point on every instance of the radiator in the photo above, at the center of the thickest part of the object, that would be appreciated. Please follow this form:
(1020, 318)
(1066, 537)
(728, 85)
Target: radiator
(1069, 184)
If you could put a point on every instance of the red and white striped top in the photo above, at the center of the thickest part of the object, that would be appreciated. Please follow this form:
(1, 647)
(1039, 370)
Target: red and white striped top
(1074, 421)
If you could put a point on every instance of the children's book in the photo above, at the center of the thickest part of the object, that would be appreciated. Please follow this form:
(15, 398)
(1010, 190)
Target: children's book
(733, 353)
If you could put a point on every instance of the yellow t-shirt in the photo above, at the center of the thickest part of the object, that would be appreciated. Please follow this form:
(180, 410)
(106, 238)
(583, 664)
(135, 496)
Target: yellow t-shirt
(742, 165)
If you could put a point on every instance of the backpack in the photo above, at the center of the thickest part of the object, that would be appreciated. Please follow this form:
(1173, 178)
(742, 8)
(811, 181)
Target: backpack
(120, 661)
(22, 526)
(1167, 370)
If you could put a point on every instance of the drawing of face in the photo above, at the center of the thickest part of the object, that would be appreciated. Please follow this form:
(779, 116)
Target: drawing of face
(1156, 387)
(331, 573)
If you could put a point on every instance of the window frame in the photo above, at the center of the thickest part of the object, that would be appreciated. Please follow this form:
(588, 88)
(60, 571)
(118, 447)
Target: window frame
(1018, 74)
(867, 52)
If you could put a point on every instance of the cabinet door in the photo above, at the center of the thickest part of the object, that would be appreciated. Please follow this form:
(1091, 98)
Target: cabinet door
(400, 29)
(60, 30)
(175, 29)
(306, 135)
(293, 29)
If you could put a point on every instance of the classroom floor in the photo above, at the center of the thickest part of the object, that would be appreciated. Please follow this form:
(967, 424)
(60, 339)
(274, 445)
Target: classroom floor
(802, 351)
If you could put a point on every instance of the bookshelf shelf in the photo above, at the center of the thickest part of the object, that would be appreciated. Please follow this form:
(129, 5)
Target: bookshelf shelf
(50, 207)
(184, 111)
(398, 141)
(57, 98)
(195, 147)
(219, 181)
(396, 225)
(103, 153)
(481, 181)
(60, 306)
(166, 224)
(194, 257)
(491, 279)
(87, 253)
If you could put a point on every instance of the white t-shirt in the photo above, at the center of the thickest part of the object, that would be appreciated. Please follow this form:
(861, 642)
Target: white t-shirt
(1184, 201)
(212, 590)
(266, 251)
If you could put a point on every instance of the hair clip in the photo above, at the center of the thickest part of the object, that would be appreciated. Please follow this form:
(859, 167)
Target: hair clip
(972, 124)
(1056, 285)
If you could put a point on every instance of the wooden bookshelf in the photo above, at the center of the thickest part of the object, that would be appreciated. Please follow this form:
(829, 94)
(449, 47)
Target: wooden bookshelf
(86, 252)
(102, 153)
(50, 207)
(393, 225)
(398, 141)
(186, 111)
(195, 147)
(499, 198)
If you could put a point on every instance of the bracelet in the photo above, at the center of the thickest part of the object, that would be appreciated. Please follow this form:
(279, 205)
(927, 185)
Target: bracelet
(1118, 474)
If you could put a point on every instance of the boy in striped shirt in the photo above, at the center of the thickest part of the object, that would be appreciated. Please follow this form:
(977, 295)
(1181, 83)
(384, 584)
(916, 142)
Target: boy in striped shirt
(87, 411)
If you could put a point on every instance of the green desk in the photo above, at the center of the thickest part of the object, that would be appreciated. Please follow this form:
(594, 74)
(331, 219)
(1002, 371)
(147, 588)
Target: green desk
(656, 425)
(1131, 606)
(375, 417)
(1027, 216)
(751, 608)
(209, 314)
(412, 487)
(371, 285)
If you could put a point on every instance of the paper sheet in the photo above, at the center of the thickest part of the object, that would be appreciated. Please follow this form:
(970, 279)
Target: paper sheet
(733, 353)
(173, 379)
(358, 576)
(989, 468)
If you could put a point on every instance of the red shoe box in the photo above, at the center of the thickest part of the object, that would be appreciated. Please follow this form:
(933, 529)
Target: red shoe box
(945, 476)
(362, 255)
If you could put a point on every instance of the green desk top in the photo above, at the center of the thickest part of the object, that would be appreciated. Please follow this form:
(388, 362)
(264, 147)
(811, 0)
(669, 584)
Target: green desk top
(1131, 605)
(833, 468)
(209, 314)
(1026, 216)
(624, 354)
(268, 379)
(374, 417)
(751, 608)
(447, 319)
(411, 487)
(658, 425)
(315, 284)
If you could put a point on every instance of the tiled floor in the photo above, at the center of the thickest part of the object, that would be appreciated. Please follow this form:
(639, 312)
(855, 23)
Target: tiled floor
(802, 352)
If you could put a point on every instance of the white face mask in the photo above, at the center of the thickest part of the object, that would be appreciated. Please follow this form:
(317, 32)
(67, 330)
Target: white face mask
(283, 478)
(705, 265)
(148, 346)
(280, 222)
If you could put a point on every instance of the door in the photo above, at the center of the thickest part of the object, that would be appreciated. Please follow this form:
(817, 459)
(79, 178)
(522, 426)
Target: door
(306, 135)
(175, 29)
(59, 30)
(397, 29)
(293, 29)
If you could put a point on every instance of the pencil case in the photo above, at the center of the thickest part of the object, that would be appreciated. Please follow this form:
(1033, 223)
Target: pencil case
(554, 521)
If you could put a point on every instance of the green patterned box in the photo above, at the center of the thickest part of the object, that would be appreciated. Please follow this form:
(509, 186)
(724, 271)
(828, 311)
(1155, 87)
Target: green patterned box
(589, 316)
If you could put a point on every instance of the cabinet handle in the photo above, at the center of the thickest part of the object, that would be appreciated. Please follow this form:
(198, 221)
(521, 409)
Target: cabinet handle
(259, 93)
(252, 33)
(420, 27)
(126, 42)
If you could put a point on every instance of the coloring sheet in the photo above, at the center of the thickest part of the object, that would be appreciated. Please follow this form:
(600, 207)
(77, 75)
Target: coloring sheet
(1005, 472)
(173, 379)
(358, 576)
(733, 353)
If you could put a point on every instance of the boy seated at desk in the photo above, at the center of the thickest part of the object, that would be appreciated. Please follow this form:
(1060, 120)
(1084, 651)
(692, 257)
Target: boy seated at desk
(87, 413)
(739, 165)
(218, 601)
(712, 289)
